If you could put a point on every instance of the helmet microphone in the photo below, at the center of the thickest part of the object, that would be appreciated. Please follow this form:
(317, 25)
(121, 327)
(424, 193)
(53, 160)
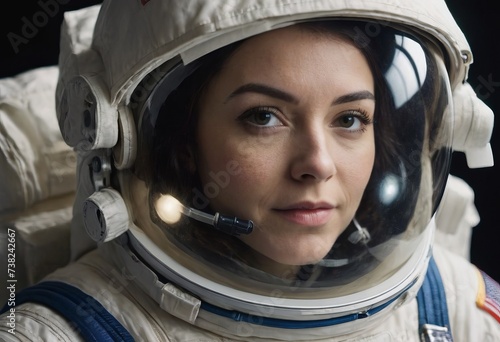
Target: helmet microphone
(169, 209)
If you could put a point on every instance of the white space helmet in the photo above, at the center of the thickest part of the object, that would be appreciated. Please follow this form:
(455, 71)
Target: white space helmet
(123, 99)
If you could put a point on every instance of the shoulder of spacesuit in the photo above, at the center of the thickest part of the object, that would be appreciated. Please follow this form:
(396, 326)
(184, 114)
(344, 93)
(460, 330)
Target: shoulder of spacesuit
(472, 297)
(35, 322)
(103, 286)
(488, 296)
(113, 287)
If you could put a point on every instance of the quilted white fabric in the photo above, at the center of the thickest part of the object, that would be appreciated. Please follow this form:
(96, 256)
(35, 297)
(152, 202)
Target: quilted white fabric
(37, 178)
(35, 163)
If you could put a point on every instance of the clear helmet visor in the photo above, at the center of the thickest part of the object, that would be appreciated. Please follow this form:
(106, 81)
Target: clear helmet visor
(412, 125)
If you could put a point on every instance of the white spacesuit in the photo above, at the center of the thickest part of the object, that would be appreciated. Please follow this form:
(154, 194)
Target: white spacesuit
(153, 258)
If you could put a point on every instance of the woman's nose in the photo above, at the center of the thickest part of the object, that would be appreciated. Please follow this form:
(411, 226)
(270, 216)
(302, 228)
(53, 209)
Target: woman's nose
(313, 158)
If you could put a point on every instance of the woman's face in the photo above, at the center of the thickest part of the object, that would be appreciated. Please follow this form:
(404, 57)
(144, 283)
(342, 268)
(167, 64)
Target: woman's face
(285, 138)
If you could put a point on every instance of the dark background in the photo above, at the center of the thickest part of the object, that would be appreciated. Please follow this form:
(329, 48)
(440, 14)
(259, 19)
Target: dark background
(478, 19)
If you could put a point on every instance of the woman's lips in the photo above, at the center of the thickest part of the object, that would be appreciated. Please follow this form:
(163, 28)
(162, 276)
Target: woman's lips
(307, 217)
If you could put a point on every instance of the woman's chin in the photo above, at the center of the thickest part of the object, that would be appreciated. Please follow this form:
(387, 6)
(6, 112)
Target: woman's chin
(296, 255)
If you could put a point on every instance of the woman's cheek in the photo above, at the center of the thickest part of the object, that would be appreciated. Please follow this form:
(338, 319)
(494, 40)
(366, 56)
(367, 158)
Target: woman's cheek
(252, 176)
(248, 186)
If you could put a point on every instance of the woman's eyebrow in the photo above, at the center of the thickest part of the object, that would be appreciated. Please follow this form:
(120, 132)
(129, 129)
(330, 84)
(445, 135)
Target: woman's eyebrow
(355, 96)
(264, 90)
(287, 97)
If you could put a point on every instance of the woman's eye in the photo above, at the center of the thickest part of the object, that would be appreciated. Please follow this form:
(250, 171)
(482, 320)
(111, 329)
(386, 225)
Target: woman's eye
(264, 117)
(350, 121)
(353, 121)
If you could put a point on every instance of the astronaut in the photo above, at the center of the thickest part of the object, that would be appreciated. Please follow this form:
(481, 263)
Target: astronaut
(263, 170)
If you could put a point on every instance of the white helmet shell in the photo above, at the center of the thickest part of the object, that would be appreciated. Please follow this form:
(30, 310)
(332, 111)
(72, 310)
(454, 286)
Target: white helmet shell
(197, 27)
